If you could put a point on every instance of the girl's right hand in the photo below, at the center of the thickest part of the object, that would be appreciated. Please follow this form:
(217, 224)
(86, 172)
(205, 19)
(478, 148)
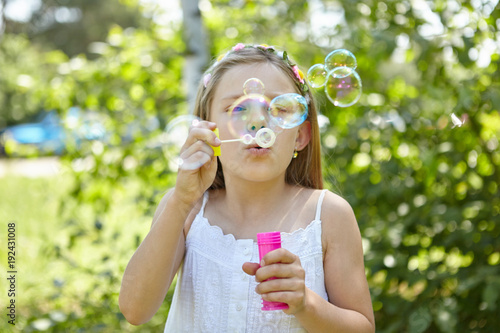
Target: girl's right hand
(199, 165)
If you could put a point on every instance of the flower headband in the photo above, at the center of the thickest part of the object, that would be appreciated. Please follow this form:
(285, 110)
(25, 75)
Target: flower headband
(297, 72)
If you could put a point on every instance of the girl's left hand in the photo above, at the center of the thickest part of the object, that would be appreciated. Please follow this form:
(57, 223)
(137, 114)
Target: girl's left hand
(289, 287)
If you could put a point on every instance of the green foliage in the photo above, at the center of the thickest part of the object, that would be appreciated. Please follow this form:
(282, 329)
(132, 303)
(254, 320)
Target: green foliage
(70, 262)
(70, 26)
(24, 74)
(425, 193)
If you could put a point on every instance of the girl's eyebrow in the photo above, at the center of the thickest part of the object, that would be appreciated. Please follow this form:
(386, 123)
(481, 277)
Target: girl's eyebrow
(232, 97)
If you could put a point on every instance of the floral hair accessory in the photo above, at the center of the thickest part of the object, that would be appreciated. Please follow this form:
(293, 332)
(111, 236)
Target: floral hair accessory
(206, 79)
(298, 74)
(240, 46)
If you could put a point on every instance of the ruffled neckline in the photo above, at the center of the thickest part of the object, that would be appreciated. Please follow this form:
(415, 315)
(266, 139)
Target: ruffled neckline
(230, 236)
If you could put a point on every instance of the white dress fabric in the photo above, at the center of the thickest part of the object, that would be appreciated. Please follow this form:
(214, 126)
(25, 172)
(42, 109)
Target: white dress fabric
(213, 294)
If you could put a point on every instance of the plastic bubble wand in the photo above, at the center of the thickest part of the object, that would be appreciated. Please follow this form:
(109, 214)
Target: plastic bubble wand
(265, 138)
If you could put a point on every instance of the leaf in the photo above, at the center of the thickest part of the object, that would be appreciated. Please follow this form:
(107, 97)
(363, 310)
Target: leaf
(420, 320)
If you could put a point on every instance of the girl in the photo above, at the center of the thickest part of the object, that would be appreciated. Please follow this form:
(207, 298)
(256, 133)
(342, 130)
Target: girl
(209, 222)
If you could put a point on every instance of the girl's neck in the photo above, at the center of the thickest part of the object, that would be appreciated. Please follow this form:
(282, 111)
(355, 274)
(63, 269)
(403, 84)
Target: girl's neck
(257, 202)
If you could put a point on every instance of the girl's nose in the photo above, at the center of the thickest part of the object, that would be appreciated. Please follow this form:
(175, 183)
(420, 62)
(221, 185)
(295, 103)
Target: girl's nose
(256, 122)
(257, 114)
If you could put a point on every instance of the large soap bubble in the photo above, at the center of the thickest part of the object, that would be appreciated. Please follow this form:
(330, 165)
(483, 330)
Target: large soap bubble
(173, 139)
(248, 114)
(316, 75)
(253, 86)
(343, 86)
(288, 110)
(340, 58)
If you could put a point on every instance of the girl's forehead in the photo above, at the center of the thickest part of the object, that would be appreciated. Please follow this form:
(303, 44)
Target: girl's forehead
(274, 80)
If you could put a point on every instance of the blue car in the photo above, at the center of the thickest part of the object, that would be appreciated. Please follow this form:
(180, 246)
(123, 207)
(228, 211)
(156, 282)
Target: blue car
(43, 137)
(48, 135)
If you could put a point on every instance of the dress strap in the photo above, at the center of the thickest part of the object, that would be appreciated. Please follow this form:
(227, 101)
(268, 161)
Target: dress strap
(320, 202)
(205, 199)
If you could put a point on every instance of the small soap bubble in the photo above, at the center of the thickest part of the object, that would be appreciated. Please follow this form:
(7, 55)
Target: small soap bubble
(316, 76)
(265, 137)
(340, 58)
(288, 110)
(174, 137)
(247, 115)
(253, 86)
(247, 139)
(343, 86)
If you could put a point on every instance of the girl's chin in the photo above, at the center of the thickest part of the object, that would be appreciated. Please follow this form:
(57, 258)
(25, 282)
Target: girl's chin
(254, 169)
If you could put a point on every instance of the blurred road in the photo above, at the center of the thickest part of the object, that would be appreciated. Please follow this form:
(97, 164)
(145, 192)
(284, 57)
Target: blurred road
(33, 168)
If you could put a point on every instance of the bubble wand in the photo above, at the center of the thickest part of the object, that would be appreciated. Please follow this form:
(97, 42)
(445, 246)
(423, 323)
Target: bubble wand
(265, 138)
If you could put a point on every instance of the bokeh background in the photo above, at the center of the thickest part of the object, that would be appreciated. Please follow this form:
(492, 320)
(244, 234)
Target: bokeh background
(102, 79)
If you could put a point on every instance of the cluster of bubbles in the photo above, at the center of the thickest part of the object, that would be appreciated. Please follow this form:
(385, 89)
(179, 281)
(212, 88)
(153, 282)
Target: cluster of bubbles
(252, 118)
(255, 118)
(254, 111)
(339, 77)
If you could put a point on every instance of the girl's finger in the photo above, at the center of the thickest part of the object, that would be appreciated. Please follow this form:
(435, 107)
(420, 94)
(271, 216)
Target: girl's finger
(279, 271)
(198, 146)
(195, 161)
(275, 285)
(201, 134)
(202, 131)
(250, 268)
(279, 256)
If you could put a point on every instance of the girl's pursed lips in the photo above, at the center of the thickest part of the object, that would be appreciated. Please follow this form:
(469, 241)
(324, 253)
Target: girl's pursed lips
(258, 151)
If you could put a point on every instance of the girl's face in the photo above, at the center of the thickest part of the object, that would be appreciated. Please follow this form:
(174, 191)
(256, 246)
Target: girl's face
(248, 161)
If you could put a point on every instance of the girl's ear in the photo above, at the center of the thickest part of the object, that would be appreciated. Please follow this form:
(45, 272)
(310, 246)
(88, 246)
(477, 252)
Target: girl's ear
(303, 136)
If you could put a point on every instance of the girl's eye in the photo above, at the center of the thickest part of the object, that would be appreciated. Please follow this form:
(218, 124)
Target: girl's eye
(238, 108)
(278, 109)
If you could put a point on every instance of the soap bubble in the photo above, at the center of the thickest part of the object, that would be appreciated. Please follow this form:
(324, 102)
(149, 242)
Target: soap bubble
(247, 139)
(253, 86)
(338, 75)
(340, 58)
(316, 75)
(288, 110)
(248, 114)
(265, 137)
(343, 86)
(173, 139)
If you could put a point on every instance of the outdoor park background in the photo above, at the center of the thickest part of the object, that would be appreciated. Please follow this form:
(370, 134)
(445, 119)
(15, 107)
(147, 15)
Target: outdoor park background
(425, 192)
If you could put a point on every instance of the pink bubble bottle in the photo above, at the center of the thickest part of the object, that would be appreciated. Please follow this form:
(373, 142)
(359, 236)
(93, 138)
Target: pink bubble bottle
(269, 241)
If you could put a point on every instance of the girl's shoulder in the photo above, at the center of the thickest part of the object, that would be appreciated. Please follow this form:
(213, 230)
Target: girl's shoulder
(335, 205)
(332, 205)
(339, 225)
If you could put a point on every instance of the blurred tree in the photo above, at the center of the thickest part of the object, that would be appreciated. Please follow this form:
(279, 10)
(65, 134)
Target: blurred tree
(25, 74)
(196, 58)
(71, 26)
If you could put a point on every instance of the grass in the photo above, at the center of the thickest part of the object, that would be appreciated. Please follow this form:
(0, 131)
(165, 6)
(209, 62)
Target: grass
(69, 262)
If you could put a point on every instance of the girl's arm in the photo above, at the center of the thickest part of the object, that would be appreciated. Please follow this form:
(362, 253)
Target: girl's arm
(154, 264)
(349, 308)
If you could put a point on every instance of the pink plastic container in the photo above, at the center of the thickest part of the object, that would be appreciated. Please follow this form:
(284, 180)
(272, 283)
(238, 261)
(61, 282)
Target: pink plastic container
(269, 241)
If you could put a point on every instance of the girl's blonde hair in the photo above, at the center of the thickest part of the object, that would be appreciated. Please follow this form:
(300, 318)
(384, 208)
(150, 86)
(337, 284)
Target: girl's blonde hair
(305, 170)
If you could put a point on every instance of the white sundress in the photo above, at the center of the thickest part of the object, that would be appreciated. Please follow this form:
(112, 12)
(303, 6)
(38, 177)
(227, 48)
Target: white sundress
(213, 294)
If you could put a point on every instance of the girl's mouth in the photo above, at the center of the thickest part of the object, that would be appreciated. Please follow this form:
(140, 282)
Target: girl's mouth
(258, 151)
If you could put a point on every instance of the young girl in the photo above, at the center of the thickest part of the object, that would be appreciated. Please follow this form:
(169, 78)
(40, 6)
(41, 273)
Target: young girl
(209, 222)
